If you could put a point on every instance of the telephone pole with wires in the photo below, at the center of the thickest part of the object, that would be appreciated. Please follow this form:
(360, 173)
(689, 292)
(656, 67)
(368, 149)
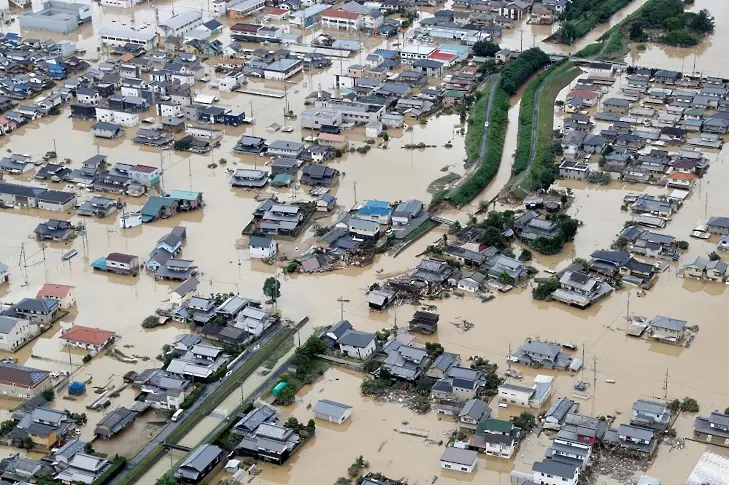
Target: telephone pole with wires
(665, 386)
(341, 301)
(594, 383)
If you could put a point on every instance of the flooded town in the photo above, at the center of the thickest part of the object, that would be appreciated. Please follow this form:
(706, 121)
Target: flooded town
(360, 242)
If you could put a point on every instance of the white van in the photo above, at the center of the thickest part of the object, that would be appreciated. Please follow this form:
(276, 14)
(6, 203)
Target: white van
(176, 416)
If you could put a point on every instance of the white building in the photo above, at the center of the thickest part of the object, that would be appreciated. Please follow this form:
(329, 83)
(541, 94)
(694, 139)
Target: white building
(332, 411)
(358, 345)
(181, 23)
(283, 69)
(339, 19)
(373, 129)
(121, 36)
(262, 247)
(459, 459)
(412, 53)
(119, 3)
(316, 118)
(550, 472)
(527, 397)
(119, 117)
(15, 332)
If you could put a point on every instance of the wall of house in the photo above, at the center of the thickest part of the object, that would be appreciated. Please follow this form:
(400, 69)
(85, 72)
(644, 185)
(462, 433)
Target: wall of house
(52, 206)
(457, 466)
(514, 397)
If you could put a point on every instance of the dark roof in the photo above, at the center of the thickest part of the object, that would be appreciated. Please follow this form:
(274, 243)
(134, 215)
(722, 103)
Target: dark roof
(551, 467)
(21, 375)
(355, 338)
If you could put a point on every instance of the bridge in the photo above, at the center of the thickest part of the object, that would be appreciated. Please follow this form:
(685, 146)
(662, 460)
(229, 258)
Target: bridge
(171, 446)
(442, 220)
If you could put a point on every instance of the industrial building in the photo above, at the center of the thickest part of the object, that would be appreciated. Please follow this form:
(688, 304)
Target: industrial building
(62, 17)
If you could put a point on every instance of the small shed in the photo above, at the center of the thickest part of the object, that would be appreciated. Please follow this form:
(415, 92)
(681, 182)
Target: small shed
(77, 388)
(279, 387)
(332, 411)
(373, 129)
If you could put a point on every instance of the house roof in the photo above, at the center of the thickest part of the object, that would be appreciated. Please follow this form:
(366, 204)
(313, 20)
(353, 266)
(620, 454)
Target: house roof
(340, 14)
(554, 468)
(201, 457)
(120, 258)
(459, 456)
(21, 375)
(331, 408)
(87, 335)
(55, 291)
(259, 242)
(668, 323)
(355, 338)
(646, 406)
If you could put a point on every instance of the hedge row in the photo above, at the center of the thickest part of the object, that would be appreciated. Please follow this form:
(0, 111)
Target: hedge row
(475, 126)
(478, 181)
(517, 71)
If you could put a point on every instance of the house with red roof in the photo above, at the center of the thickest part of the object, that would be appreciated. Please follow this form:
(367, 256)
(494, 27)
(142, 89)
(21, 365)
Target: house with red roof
(339, 19)
(447, 58)
(64, 294)
(88, 338)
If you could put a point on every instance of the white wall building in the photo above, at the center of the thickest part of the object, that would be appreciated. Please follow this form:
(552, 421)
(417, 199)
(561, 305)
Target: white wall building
(15, 332)
(459, 459)
(118, 117)
(358, 345)
(118, 37)
(262, 247)
(181, 23)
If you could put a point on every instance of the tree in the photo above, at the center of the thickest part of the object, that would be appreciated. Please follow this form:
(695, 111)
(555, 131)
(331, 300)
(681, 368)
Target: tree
(506, 279)
(525, 421)
(434, 349)
(689, 405)
(27, 443)
(484, 48)
(48, 394)
(620, 244)
(455, 228)
(683, 245)
(493, 237)
(525, 255)
(713, 256)
(311, 426)
(343, 481)
(150, 322)
(726, 411)
(291, 423)
(702, 22)
(6, 427)
(637, 33)
(222, 161)
(182, 145)
(287, 395)
(385, 137)
(166, 479)
(272, 288)
(569, 228)
(569, 33)
(545, 289)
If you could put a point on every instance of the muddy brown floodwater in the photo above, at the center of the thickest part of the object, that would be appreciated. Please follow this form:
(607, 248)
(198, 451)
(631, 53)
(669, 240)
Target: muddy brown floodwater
(120, 303)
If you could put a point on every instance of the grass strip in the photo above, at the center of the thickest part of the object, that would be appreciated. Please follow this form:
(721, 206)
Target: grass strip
(544, 167)
(475, 126)
(480, 178)
(526, 119)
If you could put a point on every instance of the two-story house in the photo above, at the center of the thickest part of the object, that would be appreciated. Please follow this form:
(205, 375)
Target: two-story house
(650, 414)
(714, 429)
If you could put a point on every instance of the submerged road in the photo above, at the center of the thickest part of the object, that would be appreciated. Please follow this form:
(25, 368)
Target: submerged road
(210, 389)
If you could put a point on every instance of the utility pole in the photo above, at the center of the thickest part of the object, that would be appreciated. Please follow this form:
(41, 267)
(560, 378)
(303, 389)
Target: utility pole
(341, 301)
(354, 185)
(22, 262)
(665, 386)
(521, 39)
(594, 383)
(583, 361)
(508, 358)
(43, 248)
